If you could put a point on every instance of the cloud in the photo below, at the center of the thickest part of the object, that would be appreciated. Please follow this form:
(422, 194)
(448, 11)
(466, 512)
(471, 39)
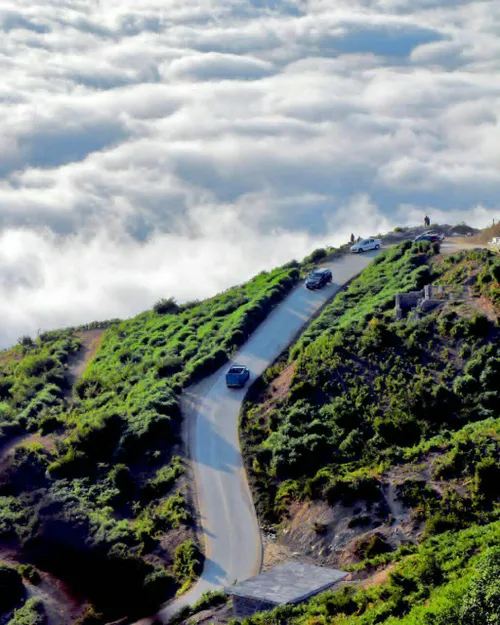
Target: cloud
(149, 149)
(218, 66)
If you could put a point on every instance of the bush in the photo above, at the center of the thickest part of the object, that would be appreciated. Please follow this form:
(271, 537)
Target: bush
(480, 326)
(465, 385)
(169, 365)
(187, 561)
(11, 587)
(439, 523)
(157, 586)
(32, 613)
(487, 478)
(372, 545)
(90, 617)
(315, 256)
(481, 604)
(29, 573)
(166, 306)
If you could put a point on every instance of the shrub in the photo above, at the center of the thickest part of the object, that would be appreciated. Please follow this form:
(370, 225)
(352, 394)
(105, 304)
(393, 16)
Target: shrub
(26, 341)
(372, 545)
(32, 613)
(481, 604)
(29, 573)
(480, 326)
(169, 365)
(90, 617)
(187, 561)
(166, 306)
(315, 256)
(465, 385)
(320, 528)
(163, 480)
(11, 587)
(487, 478)
(158, 585)
(439, 523)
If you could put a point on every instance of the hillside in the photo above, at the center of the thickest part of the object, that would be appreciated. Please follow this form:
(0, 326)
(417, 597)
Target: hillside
(375, 446)
(372, 440)
(92, 484)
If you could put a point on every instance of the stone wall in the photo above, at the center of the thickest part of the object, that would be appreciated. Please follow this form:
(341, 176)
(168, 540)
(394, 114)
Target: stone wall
(428, 299)
(407, 301)
(245, 606)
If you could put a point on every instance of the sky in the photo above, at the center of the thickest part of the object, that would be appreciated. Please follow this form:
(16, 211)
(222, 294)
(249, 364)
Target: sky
(161, 148)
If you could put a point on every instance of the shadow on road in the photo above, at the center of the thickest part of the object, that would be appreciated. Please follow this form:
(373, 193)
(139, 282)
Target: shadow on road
(213, 573)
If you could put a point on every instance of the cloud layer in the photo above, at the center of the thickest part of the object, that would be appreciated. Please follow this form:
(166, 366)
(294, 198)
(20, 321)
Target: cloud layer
(179, 146)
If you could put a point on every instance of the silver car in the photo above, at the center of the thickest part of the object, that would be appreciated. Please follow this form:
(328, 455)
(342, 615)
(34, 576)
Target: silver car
(365, 245)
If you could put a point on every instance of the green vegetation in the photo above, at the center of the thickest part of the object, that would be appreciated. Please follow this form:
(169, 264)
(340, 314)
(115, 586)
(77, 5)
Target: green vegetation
(187, 562)
(209, 599)
(401, 269)
(452, 578)
(371, 396)
(11, 587)
(31, 613)
(33, 381)
(93, 493)
(29, 573)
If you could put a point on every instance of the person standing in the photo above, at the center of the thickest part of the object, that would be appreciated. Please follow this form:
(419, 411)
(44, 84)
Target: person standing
(352, 237)
(427, 221)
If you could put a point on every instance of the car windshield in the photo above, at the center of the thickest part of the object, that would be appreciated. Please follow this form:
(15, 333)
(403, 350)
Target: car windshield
(365, 242)
(237, 369)
(315, 274)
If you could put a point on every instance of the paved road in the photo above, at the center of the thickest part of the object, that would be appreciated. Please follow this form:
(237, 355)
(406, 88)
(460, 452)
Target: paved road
(229, 524)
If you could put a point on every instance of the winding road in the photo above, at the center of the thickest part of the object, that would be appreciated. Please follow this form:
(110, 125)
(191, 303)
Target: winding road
(231, 532)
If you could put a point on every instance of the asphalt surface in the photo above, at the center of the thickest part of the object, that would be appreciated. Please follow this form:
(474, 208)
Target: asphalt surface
(229, 523)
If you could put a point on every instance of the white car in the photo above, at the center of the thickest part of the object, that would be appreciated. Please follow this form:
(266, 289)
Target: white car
(494, 244)
(366, 244)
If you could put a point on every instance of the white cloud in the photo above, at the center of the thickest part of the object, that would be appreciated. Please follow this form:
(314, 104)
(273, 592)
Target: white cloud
(143, 142)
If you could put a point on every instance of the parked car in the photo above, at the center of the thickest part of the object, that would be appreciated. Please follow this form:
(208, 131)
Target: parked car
(237, 376)
(366, 244)
(439, 235)
(318, 278)
(428, 237)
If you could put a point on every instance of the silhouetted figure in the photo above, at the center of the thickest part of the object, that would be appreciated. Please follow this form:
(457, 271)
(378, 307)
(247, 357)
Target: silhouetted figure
(427, 221)
(352, 238)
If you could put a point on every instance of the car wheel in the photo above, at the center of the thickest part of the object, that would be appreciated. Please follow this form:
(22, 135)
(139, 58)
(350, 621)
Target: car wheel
(361, 250)
(377, 247)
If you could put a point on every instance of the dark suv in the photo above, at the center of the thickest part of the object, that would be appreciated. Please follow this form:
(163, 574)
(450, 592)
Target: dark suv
(428, 237)
(318, 278)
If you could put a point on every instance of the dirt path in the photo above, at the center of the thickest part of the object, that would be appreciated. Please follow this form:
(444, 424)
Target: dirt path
(61, 606)
(91, 340)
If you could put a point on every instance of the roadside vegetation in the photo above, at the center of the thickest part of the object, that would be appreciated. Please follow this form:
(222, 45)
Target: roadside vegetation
(452, 578)
(390, 428)
(91, 483)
